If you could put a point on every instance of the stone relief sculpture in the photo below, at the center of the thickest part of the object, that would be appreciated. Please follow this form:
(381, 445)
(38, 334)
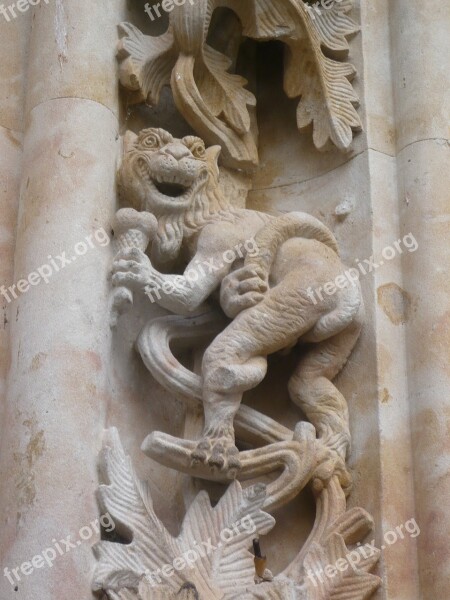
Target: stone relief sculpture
(173, 241)
(215, 102)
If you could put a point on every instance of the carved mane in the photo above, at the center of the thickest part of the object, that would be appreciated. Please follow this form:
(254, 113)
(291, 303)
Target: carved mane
(209, 205)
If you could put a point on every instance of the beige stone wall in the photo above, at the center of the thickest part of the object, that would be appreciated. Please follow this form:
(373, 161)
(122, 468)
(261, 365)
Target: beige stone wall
(64, 378)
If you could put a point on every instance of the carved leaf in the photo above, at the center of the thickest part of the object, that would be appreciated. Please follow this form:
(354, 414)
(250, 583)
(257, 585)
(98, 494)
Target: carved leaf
(215, 102)
(264, 19)
(187, 591)
(205, 114)
(224, 92)
(277, 590)
(220, 536)
(328, 99)
(353, 525)
(333, 25)
(350, 584)
(128, 502)
(232, 562)
(146, 62)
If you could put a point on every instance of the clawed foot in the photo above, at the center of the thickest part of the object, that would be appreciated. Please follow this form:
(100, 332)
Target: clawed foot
(219, 453)
(332, 465)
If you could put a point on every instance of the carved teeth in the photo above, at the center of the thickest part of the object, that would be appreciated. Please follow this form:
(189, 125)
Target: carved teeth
(184, 180)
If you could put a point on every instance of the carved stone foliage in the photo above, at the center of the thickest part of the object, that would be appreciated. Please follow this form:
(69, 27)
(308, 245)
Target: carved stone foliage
(214, 99)
(212, 547)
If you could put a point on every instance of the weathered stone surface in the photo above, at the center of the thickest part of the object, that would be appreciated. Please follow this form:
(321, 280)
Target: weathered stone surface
(66, 376)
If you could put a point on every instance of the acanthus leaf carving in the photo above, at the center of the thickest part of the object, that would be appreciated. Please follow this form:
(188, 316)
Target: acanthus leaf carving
(146, 63)
(216, 103)
(224, 570)
(351, 584)
(328, 99)
(121, 566)
(225, 92)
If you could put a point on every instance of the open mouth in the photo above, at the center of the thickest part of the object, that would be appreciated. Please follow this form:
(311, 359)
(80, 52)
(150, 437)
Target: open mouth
(173, 190)
(180, 188)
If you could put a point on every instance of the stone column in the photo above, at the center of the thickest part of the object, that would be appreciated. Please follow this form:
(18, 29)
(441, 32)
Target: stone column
(57, 395)
(398, 565)
(421, 79)
(14, 36)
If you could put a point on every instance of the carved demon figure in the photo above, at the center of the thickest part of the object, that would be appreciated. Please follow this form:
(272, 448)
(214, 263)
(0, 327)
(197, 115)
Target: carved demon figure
(267, 291)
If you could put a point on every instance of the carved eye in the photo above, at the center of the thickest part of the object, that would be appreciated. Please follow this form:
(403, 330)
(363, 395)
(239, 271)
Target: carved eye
(198, 149)
(151, 141)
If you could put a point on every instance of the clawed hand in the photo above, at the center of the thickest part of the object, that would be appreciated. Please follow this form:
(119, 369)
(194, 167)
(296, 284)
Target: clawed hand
(132, 269)
(243, 289)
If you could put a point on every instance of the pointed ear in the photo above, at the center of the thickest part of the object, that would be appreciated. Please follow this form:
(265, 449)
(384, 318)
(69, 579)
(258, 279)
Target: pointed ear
(213, 153)
(129, 140)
